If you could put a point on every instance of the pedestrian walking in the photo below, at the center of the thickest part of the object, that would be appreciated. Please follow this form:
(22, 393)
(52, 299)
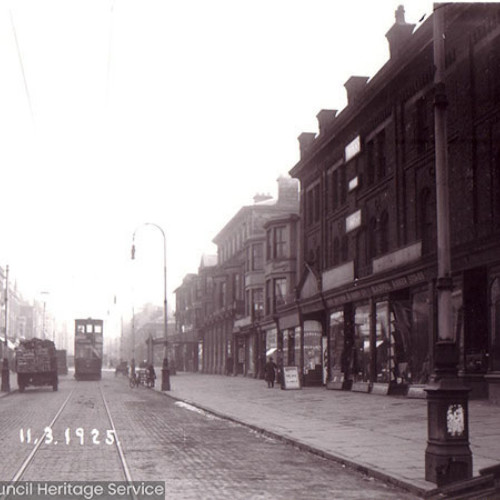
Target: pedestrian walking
(270, 373)
(151, 375)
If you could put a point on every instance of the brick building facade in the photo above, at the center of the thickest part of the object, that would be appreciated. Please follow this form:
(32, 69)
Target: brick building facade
(368, 211)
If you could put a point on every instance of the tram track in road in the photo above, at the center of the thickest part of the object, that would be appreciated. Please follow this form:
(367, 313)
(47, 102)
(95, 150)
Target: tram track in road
(43, 442)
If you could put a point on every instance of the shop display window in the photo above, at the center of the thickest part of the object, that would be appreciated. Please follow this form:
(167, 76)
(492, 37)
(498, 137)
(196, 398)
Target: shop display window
(337, 366)
(361, 350)
(401, 341)
(383, 344)
(420, 368)
(312, 347)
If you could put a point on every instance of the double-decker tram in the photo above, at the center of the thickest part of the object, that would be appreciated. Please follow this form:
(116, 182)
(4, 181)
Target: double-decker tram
(88, 349)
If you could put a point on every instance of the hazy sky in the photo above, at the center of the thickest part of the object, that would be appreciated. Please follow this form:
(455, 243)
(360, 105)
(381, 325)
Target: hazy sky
(177, 113)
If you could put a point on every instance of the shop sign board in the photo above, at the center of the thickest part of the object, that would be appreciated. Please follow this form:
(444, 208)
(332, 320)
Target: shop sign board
(353, 221)
(291, 378)
(353, 148)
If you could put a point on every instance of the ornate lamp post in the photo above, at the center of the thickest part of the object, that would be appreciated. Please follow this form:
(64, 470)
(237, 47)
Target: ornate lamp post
(165, 372)
(5, 364)
(447, 457)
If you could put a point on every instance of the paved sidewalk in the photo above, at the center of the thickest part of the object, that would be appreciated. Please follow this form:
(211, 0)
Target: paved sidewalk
(385, 436)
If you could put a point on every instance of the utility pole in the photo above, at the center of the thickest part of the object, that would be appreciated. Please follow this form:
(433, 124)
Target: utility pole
(5, 363)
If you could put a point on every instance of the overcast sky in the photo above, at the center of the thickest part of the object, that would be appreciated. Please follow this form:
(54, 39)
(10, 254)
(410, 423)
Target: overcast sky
(114, 113)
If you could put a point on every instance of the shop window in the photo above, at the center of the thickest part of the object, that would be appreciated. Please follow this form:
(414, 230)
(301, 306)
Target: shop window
(495, 324)
(289, 347)
(361, 350)
(338, 369)
(475, 305)
(420, 367)
(313, 365)
(384, 350)
(401, 341)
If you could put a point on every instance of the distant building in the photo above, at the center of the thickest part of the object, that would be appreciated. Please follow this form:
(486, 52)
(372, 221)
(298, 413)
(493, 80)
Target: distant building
(216, 301)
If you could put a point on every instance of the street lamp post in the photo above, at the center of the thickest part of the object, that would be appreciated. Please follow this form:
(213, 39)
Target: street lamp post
(448, 457)
(5, 364)
(165, 371)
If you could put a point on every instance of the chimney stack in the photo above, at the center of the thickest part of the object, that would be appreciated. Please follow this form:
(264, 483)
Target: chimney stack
(288, 191)
(259, 197)
(400, 33)
(354, 86)
(325, 118)
(305, 141)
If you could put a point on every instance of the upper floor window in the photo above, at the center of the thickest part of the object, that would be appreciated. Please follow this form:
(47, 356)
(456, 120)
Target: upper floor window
(222, 294)
(372, 238)
(426, 221)
(312, 208)
(237, 288)
(422, 131)
(279, 292)
(276, 242)
(376, 160)
(256, 257)
(381, 154)
(343, 184)
(257, 303)
(335, 189)
(384, 233)
(279, 246)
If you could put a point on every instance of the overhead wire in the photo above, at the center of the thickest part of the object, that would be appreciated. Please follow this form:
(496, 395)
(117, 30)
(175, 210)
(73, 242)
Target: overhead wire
(20, 58)
(110, 43)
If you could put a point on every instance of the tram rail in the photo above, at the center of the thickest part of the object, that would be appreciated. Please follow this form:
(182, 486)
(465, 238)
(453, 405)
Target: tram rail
(28, 461)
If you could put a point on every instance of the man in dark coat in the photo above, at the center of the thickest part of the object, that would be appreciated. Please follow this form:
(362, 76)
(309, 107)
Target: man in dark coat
(270, 372)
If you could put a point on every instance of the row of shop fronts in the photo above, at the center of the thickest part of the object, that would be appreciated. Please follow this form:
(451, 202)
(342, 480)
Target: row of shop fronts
(378, 335)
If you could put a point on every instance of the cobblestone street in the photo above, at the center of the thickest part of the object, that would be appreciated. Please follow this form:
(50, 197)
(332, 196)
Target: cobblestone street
(197, 455)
